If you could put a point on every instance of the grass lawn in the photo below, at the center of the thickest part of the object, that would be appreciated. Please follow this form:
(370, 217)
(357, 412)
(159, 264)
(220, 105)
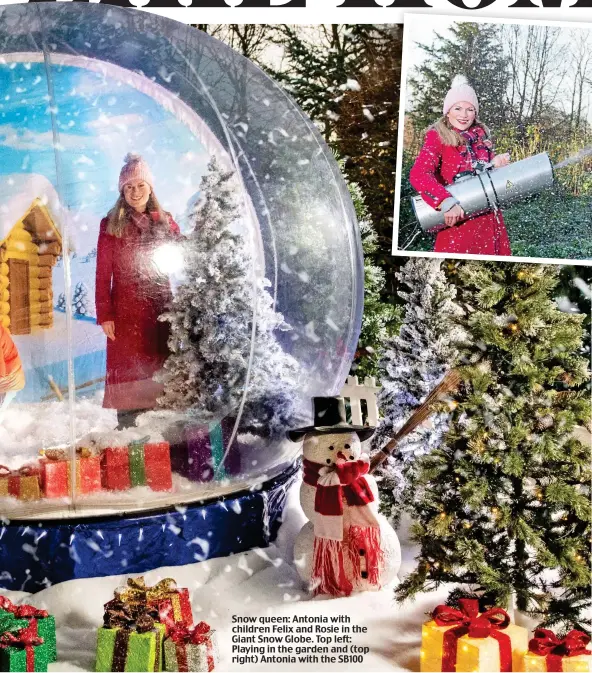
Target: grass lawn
(551, 225)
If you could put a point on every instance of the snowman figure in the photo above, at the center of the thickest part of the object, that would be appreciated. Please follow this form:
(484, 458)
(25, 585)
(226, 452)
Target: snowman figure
(346, 546)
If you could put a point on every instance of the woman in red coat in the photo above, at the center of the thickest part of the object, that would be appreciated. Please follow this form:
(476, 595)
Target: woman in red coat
(457, 143)
(131, 292)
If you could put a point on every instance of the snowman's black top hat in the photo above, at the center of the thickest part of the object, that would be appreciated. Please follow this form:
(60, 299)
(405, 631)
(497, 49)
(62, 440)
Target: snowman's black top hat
(329, 418)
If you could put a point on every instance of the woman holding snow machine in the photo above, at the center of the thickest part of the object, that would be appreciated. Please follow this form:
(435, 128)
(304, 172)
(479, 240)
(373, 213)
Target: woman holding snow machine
(456, 145)
(131, 292)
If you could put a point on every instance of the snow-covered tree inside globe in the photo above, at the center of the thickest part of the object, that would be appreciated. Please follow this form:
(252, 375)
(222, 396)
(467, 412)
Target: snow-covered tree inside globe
(181, 273)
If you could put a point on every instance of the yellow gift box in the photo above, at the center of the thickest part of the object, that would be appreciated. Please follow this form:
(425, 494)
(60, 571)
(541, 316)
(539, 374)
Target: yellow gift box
(546, 652)
(22, 484)
(468, 653)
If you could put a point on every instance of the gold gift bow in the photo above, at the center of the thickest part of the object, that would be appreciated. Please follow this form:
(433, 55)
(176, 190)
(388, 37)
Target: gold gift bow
(137, 591)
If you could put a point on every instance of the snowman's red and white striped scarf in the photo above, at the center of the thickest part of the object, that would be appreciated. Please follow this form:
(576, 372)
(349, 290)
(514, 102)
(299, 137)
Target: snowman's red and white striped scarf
(335, 486)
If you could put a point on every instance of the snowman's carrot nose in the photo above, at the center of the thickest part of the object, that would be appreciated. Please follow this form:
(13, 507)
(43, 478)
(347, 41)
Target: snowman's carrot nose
(341, 455)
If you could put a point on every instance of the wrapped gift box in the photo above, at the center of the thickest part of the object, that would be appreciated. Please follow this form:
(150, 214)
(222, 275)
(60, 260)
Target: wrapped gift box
(22, 483)
(172, 604)
(25, 616)
(191, 649)
(546, 652)
(201, 455)
(56, 474)
(139, 464)
(150, 465)
(129, 644)
(115, 468)
(23, 650)
(464, 640)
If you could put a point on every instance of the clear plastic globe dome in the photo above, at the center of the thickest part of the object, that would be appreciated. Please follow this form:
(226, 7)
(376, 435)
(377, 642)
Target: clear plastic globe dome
(259, 290)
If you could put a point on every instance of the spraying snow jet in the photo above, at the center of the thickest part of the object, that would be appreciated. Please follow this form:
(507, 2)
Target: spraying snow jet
(575, 158)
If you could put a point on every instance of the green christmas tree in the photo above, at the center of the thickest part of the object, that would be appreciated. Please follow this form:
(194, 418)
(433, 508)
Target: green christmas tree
(381, 319)
(503, 505)
(474, 50)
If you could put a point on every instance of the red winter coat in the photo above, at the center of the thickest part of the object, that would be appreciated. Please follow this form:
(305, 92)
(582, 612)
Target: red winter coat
(436, 166)
(132, 293)
(12, 376)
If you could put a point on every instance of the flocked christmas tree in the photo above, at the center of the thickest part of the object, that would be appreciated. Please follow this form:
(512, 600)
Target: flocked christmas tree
(413, 363)
(80, 299)
(223, 324)
(503, 505)
(61, 303)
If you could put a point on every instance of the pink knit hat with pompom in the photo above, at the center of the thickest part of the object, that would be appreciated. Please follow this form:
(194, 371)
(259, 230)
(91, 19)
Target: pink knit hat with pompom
(460, 92)
(135, 168)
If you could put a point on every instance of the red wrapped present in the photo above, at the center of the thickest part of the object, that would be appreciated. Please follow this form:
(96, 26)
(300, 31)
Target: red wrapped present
(191, 649)
(56, 471)
(173, 604)
(22, 483)
(546, 652)
(150, 465)
(115, 468)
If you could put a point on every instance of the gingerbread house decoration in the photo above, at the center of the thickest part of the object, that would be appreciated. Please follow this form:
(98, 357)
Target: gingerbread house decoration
(30, 245)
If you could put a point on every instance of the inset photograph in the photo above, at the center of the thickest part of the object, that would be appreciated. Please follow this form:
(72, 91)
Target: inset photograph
(495, 139)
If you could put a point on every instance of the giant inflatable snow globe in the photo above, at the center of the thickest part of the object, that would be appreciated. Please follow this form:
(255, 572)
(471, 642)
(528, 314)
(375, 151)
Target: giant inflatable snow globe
(180, 272)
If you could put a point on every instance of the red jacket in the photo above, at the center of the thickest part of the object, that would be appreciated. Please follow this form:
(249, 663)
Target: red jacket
(132, 293)
(12, 376)
(436, 167)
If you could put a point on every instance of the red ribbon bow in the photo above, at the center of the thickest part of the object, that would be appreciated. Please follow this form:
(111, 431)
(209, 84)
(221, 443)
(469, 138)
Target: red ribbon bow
(22, 611)
(26, 637)
(545, 643)
(6, 604)
(198, 635)
(467, 620)
(29, 611)
(4, 471)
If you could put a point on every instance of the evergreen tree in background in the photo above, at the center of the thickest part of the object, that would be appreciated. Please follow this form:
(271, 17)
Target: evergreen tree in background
(211, 319)
(366, 133)
(473, 50)
(413, 363)
(61, 303)
(80, 299)
(381, 318)
(320, 65)
(503, 505)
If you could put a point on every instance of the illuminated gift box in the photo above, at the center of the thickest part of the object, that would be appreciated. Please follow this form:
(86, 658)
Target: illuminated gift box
(546, 652)
(129, 640)
(465, 640)
(22, 483)
(191, 649)
(56, 470)
(173, 604)
(139, 464)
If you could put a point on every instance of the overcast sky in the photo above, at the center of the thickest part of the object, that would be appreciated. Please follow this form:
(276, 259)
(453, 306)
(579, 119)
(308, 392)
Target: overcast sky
(422, 29)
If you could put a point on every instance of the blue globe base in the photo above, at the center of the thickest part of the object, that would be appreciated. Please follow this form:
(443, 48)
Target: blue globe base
(34, 556)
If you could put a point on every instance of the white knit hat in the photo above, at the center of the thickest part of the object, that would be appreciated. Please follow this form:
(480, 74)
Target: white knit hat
(460, 91)
(135, 168)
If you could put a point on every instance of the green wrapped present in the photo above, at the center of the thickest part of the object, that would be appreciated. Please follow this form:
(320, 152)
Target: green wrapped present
(10, 623)
(130, 640)
(44, 622)
(23, 650)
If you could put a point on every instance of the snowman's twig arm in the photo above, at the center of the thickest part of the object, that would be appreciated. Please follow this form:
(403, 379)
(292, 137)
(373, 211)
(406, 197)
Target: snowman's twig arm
(448, 384)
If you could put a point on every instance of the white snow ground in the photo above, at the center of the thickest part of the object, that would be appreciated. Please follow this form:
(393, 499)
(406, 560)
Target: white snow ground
(258, 583)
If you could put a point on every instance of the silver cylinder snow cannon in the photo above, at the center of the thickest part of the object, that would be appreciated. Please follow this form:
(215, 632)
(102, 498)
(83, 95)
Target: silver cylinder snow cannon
(491, 189)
